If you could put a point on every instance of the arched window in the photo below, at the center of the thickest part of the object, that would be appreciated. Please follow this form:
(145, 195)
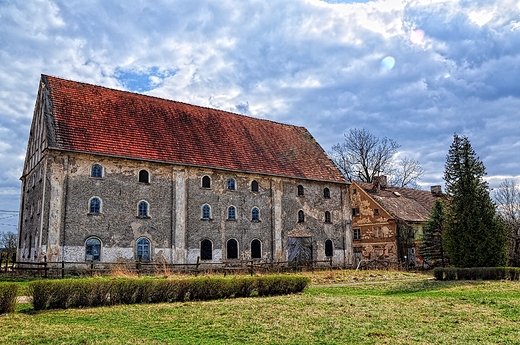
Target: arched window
(206, 250)
(329, 251)
(93, 249)
(206, 212)
(231, 213)
(301, 216)
(142, 209)
(144, 176)
(326, 193)
(254, 186)
(231, 184)
(96, 171)
(142, 251)
(206, 182)
(300, 190)
(232, 249)
(327, 217)
(95, 206)
(256, 249)
(255, 214)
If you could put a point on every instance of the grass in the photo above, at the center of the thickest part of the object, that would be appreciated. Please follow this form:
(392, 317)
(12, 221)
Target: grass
(341, 307)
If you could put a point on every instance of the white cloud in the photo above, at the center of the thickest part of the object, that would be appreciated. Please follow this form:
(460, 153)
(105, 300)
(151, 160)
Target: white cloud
(309, 63)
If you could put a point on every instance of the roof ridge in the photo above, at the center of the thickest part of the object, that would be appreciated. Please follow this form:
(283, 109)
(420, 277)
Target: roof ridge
(174, 101)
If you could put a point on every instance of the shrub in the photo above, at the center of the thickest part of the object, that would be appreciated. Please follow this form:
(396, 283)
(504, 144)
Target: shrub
(74, 293)
(477, 273)
(8, 294)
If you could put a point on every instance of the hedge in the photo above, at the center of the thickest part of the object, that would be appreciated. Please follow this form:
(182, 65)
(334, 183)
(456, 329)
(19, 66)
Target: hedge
(8, 294)
(477, 273)
(76, 293)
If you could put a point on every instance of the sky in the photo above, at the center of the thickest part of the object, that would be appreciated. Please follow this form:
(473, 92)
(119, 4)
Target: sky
(416, 71)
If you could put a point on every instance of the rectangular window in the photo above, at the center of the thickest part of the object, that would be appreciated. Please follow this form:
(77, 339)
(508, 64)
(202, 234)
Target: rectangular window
(377, 232)
(355, 212)
(376, 212)
(357, 234)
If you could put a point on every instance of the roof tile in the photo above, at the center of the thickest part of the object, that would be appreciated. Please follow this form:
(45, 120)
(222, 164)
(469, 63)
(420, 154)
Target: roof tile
(100, 120)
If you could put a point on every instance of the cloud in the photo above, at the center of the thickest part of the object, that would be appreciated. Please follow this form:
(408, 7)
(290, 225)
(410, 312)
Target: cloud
(311, 63)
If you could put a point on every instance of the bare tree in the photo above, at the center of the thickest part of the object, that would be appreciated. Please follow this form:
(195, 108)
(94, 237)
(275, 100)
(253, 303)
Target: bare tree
(507, 198)
(362, 155)
(406, 173)
(8, 241)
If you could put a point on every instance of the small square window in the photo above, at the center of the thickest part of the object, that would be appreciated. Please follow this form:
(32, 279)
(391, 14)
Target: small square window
(355, 212)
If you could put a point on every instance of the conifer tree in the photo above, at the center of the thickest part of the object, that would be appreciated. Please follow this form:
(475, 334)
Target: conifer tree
(473, 236)
(431, 248)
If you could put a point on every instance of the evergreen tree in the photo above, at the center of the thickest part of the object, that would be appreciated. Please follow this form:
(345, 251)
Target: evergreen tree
(431, 248)
(473, 236)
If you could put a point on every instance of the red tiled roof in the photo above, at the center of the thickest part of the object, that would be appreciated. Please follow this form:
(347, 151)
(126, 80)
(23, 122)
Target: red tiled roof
(408, 204)
(99, 120)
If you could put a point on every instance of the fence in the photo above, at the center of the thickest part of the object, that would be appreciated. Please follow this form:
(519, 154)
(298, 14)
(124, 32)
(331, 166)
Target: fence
(64, 269)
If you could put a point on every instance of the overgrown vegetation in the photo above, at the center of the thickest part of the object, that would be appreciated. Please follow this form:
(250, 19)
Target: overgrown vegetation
(76, 293)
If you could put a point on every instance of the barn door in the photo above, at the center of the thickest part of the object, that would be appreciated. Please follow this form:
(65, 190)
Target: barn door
(299, 250)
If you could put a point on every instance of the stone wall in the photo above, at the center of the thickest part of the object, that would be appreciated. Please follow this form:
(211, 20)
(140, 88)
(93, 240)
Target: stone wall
(175, 196)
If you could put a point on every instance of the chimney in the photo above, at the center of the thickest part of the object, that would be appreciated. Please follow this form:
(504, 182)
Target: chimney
(436, 190)
(379, 182)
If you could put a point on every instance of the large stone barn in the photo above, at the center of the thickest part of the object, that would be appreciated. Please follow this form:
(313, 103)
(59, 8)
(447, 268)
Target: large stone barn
(117, 176)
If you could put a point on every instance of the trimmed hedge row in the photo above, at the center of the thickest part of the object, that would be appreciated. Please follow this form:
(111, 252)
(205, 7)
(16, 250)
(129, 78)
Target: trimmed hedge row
(477, 273)
(8, 294)
(76, 293)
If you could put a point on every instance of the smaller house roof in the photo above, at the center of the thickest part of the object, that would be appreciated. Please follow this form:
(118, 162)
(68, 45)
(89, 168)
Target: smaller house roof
(407, 204)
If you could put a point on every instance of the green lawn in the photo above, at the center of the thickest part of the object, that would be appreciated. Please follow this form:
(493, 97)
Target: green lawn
(339, 308)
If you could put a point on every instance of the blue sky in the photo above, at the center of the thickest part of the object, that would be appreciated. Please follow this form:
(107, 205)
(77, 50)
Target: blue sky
(417, 71)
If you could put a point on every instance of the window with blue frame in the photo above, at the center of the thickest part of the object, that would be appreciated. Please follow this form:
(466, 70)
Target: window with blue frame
(95, 206)
(206, 212)
(255, 214)
(142, 251)
(232, 213)
(96, 171)
(142, 209)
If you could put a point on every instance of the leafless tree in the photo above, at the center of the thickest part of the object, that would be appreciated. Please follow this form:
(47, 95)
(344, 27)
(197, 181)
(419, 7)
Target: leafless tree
(8, 241)
(405, 173)
(507, 198)
(361, 156)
